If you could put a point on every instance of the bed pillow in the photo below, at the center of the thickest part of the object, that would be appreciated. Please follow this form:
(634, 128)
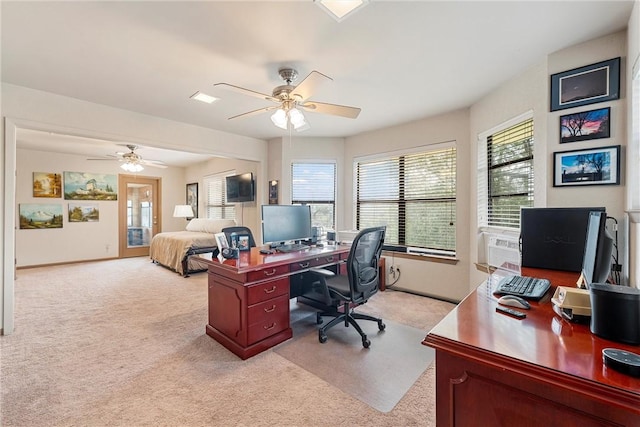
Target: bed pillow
(212, 226)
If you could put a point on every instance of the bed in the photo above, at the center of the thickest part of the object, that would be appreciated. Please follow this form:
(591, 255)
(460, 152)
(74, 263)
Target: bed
(176, 249)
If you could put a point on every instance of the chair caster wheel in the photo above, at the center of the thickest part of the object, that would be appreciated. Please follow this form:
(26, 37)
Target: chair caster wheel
(366, 343)
(322, 338)
(381, 326)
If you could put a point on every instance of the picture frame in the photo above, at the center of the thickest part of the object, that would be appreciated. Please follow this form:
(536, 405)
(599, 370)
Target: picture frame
(84, 212)
(47, 184)
(593, 166)
(243, 242)
(221, 241)
(273, 192)
(585, 125)
(586, 85)
(35, 216)
(192, 197)
(90, 186)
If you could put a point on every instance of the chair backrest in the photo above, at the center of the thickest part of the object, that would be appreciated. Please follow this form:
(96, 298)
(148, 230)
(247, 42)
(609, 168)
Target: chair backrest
(363, 261)
(239, 230)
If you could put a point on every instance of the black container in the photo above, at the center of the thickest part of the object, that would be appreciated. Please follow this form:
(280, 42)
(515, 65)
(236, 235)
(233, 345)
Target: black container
(615, 312)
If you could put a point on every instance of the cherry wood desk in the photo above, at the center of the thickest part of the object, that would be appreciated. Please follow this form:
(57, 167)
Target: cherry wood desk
(249, 296)
(495, 370)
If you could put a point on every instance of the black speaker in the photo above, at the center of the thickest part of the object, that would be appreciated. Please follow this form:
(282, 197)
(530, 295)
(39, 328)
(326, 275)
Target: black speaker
(315, 233)
(615, 312)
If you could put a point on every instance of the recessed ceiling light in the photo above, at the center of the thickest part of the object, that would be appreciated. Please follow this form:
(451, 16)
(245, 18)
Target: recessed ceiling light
(340, 9)
(204, 97)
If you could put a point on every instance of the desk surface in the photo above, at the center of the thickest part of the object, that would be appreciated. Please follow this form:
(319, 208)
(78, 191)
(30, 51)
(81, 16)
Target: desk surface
(543, 344)
(253, 260)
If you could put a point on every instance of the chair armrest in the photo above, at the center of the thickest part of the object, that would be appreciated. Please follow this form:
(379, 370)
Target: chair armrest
(322, 272)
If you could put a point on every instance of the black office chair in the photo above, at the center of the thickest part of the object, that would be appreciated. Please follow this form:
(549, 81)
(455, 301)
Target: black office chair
(239, 229)
(342, 293)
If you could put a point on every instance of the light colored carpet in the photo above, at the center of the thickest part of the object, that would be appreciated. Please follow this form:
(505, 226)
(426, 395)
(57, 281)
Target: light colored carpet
(123, 343)
(378, 376)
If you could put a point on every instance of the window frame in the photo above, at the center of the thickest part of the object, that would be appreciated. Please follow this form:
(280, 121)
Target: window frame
(227, 209)
(332, 203)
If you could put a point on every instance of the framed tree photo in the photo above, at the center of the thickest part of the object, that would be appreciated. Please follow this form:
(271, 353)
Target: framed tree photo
(597, 166)
(585, 125)
(192, 197)
(586, 85)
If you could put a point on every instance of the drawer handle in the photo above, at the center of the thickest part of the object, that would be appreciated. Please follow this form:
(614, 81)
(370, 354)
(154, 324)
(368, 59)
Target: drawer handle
(303, 264)
(270, 310)
(266, 273)
(330, 259)
(268, 328)
(270, 291)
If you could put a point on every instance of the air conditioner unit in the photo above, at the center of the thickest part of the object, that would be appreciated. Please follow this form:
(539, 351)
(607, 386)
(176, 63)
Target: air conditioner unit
(502, 250)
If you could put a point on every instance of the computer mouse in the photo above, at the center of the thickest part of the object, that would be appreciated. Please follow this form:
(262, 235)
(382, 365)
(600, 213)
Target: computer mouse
(514, 301)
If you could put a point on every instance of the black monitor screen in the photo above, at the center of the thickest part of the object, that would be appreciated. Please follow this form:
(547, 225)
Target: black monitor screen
(553, 238)
(284, 223)
(596, 264)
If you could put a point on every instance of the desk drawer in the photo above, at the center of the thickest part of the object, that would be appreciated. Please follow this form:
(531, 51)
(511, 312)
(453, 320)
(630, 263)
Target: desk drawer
(267, 290)
(314, 262)
(254, 276)
(268, 322)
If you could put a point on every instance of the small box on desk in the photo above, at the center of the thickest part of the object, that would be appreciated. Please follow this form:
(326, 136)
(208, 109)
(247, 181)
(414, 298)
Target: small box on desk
(615, 312)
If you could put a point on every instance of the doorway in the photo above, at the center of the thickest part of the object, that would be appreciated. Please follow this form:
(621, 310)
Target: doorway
(138, 214)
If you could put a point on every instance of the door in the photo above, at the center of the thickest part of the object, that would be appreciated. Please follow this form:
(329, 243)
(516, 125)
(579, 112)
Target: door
(139, 214)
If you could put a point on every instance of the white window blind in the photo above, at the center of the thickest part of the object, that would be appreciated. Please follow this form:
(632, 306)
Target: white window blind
(414, 195)
(216, 206)
(314, 184)
(505, 168)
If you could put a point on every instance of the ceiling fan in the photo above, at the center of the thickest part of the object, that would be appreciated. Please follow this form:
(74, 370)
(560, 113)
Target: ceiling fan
(132, 161)
(291, 99)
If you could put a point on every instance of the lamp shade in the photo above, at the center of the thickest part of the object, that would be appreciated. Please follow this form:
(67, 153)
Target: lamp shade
(132, 167)
(183, 211)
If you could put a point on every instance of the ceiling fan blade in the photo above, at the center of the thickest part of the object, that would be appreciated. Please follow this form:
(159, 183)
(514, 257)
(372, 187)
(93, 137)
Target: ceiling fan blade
(308, 86)
(333, 109)
(247, 92)
(254, 112)
(107, 157)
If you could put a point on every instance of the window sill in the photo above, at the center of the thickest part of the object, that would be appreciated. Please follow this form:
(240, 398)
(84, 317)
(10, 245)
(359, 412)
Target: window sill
(429, 258)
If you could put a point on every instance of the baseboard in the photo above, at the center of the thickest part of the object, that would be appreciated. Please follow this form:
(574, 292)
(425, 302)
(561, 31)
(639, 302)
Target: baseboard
(25, 267)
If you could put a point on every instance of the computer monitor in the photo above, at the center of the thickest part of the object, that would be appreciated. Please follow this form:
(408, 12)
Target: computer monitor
(285, 223)
(598, 248)
(553, 238)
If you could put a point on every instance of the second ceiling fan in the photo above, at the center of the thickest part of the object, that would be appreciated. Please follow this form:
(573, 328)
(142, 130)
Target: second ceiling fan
(291, 99)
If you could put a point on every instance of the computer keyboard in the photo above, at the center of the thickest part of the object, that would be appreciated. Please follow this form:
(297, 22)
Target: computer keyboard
(294, 247)
(523, 286)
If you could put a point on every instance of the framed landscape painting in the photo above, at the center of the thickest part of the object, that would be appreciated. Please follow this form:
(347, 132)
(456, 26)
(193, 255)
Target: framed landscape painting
(40, 215)
(90, 186)
(47, 184)
(585, 125)
(84, 212)
(597, 166)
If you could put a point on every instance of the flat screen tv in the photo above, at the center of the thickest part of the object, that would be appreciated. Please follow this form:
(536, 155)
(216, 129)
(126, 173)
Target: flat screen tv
(240, 188)
(554, 238)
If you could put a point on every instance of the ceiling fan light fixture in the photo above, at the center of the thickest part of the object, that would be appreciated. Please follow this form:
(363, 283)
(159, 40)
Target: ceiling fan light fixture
(279, 118)
(340, 9)
(297, 118)
(132, 167)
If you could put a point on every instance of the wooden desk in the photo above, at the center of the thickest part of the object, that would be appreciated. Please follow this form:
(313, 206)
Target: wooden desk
(495, 370)
(249, 296)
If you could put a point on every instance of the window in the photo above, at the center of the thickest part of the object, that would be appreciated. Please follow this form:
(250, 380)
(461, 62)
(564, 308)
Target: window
(314, 184)
(414, 195)
(216, 206)
(505, 175)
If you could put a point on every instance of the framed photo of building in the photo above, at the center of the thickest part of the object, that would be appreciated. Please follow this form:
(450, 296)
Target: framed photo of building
(596, 166)
(586, 85)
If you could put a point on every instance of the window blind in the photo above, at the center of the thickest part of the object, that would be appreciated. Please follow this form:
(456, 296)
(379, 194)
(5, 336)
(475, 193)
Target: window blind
(314, 184)
(509, 174)
(216, 197)
(414, 195)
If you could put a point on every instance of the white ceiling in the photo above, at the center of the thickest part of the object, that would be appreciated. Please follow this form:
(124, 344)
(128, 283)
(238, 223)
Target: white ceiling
(397, 60)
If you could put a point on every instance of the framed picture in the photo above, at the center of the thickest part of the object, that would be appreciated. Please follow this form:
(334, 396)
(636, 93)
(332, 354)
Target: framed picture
(192, 197)
(243, 242)
(586, 85)
(40, 215)
(84, 212)
(585, 125)
(47, 184)
(595, 166)
(221, 241)
(90, 186)
(273, 192)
